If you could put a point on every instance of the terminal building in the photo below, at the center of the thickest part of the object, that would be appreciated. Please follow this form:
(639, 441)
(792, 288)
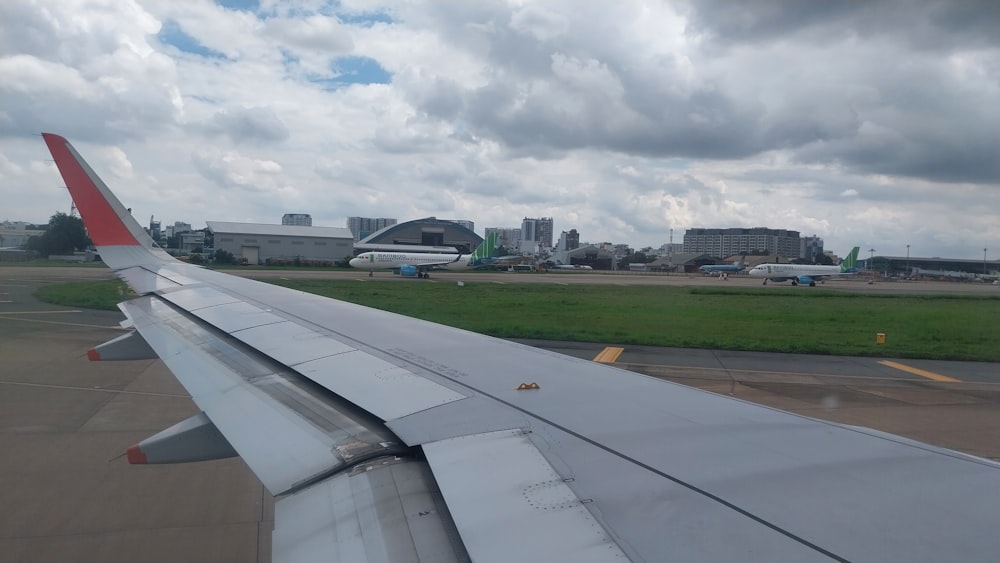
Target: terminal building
(933, 268)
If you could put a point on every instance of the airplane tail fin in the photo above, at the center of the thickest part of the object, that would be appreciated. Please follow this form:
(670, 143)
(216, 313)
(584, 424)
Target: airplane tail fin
(485, 250)
(851, 262)
(119, 238)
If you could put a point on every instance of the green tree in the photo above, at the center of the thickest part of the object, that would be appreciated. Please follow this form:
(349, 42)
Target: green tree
(224, 257)
(63, 235)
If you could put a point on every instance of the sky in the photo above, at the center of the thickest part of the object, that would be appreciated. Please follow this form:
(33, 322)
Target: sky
(872, 124)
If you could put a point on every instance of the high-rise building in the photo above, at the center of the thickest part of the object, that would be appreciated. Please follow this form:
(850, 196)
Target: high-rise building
(568, 240)
(154, 228)
(537, 229)
(361, 227)
(722, 243)
(811, 248)
(507, 237)
(297, 219)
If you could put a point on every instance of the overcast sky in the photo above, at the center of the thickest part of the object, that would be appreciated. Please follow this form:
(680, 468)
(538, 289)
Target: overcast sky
(866, 123)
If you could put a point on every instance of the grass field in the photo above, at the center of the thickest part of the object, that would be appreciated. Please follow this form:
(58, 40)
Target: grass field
(104, 294)
(777, 320)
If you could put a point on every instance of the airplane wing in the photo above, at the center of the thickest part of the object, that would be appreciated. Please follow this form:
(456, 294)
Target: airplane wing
(387, 438)
(430, 265)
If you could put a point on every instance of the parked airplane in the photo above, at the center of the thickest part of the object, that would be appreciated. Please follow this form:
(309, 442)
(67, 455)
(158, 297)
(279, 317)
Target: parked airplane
(945, 274)
(805, 273)
(709, 269)
(420, 264)
(561, 266)
(388, 438)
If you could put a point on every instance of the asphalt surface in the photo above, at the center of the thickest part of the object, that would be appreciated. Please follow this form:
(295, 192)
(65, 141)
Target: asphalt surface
(68, 495)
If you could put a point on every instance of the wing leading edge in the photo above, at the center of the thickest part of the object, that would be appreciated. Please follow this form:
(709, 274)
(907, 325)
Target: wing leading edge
(392, 439)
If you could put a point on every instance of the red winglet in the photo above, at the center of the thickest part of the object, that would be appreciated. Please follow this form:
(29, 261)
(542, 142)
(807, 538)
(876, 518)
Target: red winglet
(93, 355)
(104, 225)
(135, 455)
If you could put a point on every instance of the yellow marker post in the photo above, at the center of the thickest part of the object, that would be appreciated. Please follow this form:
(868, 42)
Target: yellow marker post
(880, 338)
(609, 355)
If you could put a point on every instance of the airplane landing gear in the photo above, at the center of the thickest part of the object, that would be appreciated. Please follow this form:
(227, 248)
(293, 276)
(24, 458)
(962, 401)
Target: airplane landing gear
(765, 281)
(371, 273)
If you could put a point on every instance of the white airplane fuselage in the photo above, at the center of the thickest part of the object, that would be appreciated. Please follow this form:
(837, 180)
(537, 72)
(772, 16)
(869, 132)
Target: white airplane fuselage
(395, 260)
(798, 273)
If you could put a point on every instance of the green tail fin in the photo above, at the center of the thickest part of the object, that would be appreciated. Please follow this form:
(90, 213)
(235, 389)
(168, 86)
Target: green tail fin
(486, 249)
(851, 261)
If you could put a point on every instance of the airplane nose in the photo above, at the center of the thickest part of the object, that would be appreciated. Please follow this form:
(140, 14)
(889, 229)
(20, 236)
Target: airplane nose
(355, 263)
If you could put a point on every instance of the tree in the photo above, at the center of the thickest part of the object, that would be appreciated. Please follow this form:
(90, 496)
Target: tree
(224, 257)
(63, 235)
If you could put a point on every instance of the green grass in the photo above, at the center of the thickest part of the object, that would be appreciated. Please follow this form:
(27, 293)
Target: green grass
(776, 320)
(104, 294)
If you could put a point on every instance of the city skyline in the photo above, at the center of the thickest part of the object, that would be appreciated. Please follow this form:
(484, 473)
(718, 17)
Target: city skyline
(871, 124)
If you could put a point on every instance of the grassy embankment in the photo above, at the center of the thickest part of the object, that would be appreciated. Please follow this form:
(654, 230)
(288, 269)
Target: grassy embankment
(779, 320)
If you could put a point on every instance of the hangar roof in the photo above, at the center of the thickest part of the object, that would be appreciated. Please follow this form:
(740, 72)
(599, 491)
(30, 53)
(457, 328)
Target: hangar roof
(278, 230)
(386, 233)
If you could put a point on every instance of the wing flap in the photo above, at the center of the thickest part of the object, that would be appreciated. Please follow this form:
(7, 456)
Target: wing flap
(388, 510)
(373, 384)
(286, 433)
(500, 481)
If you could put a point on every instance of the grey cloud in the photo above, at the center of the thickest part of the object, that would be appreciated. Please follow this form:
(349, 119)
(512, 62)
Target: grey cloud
(255, 124)
(934, 24)
(35, 99)
(232, 170)
(841, 72)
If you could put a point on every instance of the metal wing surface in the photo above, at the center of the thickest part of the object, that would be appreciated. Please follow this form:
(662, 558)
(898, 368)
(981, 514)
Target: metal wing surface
(388, 438)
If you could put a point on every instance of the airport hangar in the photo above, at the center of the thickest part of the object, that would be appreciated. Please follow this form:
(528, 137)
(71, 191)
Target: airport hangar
(421, 235)
(259, 243)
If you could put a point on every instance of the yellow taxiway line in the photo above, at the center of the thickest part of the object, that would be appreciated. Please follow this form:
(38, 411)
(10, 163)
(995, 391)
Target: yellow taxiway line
(918, 371)
(609, 355)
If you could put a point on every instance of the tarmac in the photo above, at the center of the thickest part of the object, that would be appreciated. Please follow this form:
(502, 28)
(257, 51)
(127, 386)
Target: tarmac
(69, 495)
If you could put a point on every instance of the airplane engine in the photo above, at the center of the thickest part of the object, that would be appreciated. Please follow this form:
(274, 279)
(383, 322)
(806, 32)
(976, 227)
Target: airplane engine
(408, 271)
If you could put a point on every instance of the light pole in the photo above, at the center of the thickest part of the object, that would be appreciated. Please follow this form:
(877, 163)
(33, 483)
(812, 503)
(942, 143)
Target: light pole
(871, 258)
(907, 260)
(984, 261)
